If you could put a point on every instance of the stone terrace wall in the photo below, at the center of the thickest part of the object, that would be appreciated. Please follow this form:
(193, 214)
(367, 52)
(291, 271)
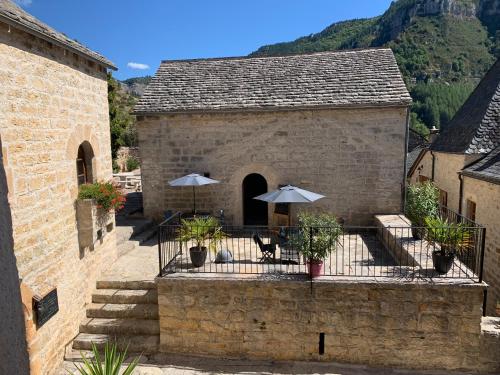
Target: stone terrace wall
(422, 326)
(353, 156)
(51, 101)
(487, 198)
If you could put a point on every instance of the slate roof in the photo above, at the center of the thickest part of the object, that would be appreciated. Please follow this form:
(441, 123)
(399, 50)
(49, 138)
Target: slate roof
(416, 140)
(475, 129)
(487, 168)
(329, 79)
(17, 17)
(412, 157)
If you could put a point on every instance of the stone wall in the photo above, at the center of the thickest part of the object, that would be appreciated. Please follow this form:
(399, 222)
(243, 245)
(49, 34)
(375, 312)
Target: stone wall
(13, 349)
(51, 101)
(447, 167)
(352, 156)
(403, 324)
(487, 198)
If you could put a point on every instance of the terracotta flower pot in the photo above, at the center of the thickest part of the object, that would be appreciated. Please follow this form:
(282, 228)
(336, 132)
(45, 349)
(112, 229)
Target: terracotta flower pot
(315, 268)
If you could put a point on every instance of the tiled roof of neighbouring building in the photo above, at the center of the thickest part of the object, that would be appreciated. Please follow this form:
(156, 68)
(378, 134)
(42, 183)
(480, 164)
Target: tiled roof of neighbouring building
(329, 79)
(416, 145)
(487, 168)
(17, 17)
(475, 129)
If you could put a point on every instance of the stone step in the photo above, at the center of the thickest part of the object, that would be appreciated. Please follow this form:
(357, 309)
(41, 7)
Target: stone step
(120, 326)
(141, 226)
(133, 344)
(147, 235)
(119, 311)
(125, 296)
(125, 284)
(125, 247)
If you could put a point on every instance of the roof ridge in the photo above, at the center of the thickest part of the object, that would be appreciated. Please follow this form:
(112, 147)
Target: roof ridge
(14, 15)
(250, 57)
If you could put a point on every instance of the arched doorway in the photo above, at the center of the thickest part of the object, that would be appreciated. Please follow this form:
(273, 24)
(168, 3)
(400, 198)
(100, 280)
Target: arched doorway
(84, 159)
(254, 211)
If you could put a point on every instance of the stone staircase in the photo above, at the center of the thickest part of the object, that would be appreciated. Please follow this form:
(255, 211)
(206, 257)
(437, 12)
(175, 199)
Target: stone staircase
(122, 312)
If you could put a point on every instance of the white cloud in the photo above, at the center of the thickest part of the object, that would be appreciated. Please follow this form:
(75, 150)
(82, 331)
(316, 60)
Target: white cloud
(134, 65)
(24, 3)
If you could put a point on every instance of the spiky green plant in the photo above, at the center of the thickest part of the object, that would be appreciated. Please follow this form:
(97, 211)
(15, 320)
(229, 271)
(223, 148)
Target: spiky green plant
(451, 237)
(202, 230)
(110, 364)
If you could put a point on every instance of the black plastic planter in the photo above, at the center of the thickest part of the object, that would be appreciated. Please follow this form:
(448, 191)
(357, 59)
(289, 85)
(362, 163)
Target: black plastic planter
(198, 255)
(442, 261)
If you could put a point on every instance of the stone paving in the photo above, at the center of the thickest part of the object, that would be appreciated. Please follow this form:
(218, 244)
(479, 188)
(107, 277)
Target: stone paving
(184, 365)
(138, 264)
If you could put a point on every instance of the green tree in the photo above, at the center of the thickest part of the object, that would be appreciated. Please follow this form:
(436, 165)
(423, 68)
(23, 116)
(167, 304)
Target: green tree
(122, 123)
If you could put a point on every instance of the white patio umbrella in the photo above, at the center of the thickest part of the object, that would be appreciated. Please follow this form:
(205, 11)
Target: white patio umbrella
(290, 194)
(193, 180)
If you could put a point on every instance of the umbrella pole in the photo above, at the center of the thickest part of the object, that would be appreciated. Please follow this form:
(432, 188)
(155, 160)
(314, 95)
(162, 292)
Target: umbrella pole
(194, 201)
(289, 215)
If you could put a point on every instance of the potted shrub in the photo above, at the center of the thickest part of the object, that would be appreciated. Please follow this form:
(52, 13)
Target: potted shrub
(421, 202)
(316, 238)
(205, 232)
(450, 239)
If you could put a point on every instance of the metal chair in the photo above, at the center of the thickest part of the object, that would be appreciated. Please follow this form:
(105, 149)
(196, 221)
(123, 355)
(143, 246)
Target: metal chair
(268, 250)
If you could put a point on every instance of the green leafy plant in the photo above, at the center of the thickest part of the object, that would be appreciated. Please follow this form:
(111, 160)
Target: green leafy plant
(317, 235)
(116, 167)
(203, 231)
(110, 364)
(451, 237)
(107, 195)
(132, 163)
(422, 202)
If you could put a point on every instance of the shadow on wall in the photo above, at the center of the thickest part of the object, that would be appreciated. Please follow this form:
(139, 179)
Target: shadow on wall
(13, 347)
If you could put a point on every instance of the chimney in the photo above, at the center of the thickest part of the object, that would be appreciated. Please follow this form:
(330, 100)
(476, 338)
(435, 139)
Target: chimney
(433, 134)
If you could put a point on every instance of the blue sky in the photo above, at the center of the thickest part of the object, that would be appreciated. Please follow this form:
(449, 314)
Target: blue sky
(148, 31)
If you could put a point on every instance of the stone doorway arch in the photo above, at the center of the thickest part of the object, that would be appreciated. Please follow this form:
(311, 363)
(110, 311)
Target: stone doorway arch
(254, 212)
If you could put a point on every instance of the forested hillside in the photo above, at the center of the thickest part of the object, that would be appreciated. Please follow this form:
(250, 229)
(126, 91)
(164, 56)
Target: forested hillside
(443, 48)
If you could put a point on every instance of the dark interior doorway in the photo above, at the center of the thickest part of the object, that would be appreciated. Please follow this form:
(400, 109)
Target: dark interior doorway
(254, 211)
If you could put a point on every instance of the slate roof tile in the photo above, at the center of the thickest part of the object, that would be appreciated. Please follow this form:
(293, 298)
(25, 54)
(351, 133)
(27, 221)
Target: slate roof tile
(487, 168)
(329, 79)
(475, 129)
(14, 15)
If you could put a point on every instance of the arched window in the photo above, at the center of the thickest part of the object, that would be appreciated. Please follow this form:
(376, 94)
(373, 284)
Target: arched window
(84, 163)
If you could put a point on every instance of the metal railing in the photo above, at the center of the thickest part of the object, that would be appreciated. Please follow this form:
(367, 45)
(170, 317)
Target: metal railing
(279, 251)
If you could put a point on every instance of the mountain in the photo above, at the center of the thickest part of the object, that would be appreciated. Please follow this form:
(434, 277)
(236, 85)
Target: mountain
(443, 48)
(136, 86)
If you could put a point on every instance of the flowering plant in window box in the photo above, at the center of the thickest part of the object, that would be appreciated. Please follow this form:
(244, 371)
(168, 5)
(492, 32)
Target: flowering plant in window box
(94, 207)
(107, 195)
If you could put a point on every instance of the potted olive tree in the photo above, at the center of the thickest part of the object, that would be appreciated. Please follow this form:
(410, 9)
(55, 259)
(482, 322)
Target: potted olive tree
(205, 233)
(316, 238)
(448, 239)
(421, 202)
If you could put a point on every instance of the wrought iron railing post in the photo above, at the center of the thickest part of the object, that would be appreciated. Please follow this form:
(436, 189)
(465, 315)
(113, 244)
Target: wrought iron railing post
(159, 251)
(483, 245)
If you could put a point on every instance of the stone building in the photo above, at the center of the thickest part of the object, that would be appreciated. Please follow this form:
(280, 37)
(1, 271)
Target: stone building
(333, 122)
(462, 162)
(54, 134)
